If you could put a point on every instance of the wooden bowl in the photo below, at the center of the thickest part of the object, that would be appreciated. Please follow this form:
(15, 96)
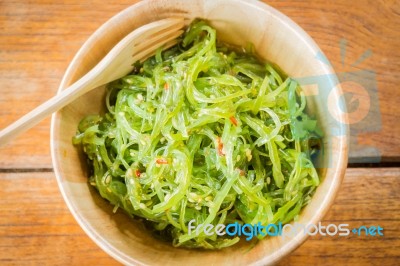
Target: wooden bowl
(277, 39)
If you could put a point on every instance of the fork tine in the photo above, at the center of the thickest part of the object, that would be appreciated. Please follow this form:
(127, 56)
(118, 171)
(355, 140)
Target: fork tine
(143, 41)
(151, 47)
(154, 40)
(150, 52)
(162, 25)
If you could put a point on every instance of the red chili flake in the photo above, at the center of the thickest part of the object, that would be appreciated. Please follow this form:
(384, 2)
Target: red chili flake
(166, 86)
(137, 173)
(220, 147)
(233, 120)
(161, 161)
(241, 172)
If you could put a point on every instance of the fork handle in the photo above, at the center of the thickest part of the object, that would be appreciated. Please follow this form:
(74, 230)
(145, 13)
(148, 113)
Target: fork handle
(113, 66)
(29, 120)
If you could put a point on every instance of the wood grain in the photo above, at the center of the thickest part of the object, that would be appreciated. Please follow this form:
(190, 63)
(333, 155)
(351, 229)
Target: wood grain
(39, 38)
(367, 197)
(364, 25)
(37, 228)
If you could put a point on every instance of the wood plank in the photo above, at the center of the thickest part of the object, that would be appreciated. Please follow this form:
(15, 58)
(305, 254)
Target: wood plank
(39, 38)
(364, 25)
(36, 226)
(367, 197)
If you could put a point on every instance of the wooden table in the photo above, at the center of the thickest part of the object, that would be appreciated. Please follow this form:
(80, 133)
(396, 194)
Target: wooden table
(39, 38)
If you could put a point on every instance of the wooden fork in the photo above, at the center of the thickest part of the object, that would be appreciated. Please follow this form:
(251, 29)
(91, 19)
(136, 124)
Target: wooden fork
(137, 46)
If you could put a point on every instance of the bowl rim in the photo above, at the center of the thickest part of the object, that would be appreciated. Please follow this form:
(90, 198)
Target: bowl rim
(340, 167)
